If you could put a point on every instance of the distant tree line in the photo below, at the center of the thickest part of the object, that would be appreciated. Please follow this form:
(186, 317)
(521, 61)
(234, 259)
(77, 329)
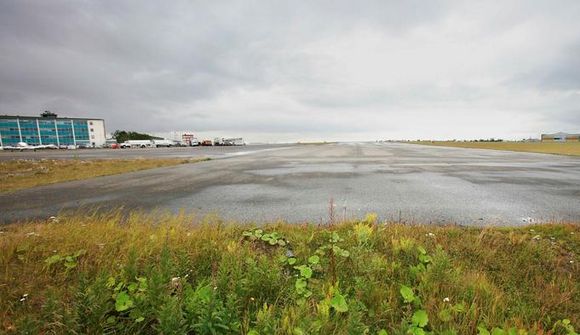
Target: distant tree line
(122, 135)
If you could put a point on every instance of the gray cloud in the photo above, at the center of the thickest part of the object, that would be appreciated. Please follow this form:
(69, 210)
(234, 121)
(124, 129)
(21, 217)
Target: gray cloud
(287, 70)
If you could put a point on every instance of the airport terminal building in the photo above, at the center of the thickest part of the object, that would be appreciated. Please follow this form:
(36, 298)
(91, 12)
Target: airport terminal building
(48, 128)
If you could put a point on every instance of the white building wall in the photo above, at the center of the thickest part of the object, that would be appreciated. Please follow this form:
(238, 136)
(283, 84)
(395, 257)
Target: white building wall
(97, 134)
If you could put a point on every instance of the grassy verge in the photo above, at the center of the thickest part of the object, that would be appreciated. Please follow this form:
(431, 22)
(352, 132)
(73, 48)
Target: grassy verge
(20, 174)
(569, 148)
(108, 273)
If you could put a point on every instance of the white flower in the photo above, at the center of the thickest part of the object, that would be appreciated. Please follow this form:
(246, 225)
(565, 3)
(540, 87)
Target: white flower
(446, 299)
(571, 262)
(430, 235)
(537, 237)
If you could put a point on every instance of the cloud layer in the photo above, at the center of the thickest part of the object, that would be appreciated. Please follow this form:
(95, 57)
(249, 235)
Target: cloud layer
(287, 70)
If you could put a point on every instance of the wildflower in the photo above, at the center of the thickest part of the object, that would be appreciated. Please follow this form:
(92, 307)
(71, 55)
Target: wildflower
(571, 262)
(537, 237)
(176, 283)
(430, 235)
(215, 288)
(252, 298)
(24, 297)
(446, 299)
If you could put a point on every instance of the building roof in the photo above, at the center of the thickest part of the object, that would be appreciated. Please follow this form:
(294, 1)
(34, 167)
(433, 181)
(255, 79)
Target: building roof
(46, 118)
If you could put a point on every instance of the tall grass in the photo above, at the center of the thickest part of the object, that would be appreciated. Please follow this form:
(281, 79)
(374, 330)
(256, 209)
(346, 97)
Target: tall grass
(567, 148)
(21, 173)
(175, 274)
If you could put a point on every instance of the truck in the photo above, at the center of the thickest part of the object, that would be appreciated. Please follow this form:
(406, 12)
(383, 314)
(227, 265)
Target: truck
(137, 144)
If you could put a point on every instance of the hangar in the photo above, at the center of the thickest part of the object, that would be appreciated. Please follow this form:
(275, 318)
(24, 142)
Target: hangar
(560, 137)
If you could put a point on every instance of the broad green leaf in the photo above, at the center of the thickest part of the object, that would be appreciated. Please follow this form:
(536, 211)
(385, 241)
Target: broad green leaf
(313, 259)
(291, 261)
(498, 331)
(420, 318)
(132, 287)
(70, 264)
(53, 259)
(482, 331)
(305, 271)
(382, 332)
(418, 331)
(300, 284)
(407, 293)
(123, 302)
(422, 250)
(338, 302)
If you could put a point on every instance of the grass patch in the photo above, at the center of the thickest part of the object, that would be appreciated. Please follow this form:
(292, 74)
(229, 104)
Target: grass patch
(567, 148)
(172, 274)
(21, 174)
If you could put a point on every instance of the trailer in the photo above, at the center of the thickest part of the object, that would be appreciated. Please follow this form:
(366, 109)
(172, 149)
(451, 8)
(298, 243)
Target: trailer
(164, 143)
(233, 141)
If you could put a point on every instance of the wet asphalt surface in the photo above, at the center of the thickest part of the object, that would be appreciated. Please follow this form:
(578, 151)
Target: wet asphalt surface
(400, 182)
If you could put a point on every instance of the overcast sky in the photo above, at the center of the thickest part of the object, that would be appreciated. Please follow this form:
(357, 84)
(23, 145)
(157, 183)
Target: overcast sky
(297, 70)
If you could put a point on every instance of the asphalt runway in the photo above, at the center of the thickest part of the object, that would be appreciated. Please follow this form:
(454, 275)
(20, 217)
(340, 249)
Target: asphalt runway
(400, 182)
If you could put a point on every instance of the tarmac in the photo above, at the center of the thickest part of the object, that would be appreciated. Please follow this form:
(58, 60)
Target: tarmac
(400, 182)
